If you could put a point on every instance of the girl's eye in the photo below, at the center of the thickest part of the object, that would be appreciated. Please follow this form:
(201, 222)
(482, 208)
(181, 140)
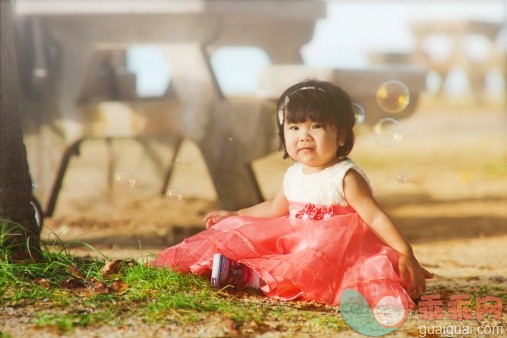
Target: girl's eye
(317, 126)
(293, 128)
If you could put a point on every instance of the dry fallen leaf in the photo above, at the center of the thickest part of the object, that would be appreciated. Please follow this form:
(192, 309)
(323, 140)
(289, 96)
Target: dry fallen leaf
(74, 284)
(98, 286)
(115, 267)
(497, 279)
(119, 286)
(75, 272)
(471, 278)
(42, 282)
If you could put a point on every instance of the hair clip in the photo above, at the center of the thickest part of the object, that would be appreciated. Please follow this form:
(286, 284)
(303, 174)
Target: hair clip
(305, 88)
(282, 108)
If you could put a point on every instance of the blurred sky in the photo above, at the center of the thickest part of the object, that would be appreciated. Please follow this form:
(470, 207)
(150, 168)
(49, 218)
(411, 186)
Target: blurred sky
(343, 39)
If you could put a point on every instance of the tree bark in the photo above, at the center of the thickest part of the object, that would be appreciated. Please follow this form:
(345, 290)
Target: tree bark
(19, 233)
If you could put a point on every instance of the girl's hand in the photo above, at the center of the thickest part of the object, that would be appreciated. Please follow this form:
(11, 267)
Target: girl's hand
(216, 216)
(409, 267)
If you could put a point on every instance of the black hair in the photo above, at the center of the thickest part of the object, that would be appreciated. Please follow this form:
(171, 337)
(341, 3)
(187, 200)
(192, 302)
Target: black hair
(321, 102)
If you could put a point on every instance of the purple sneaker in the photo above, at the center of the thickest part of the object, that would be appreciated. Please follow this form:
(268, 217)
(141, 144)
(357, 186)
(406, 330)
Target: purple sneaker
(228, 272)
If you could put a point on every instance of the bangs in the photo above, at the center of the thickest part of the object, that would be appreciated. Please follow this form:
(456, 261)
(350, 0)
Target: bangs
(316, 106)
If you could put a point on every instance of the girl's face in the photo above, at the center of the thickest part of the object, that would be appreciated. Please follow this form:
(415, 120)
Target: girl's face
(311, 144)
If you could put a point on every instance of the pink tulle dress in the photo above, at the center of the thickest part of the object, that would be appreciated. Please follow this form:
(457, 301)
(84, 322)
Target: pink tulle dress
(321, 248)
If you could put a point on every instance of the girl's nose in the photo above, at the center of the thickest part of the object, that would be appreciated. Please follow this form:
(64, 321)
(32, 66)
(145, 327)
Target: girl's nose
(305, 137)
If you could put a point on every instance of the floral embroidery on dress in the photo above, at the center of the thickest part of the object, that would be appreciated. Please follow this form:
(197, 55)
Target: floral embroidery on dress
(311, 212)
(325, 213)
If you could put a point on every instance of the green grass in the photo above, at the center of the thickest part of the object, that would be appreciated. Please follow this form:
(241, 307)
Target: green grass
(60, 295)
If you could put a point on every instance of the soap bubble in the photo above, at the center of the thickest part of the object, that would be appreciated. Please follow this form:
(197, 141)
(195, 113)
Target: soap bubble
(124, 179)
(174, 194)
(387, 132)
(402, 177)
(359, 113)
(393, 96)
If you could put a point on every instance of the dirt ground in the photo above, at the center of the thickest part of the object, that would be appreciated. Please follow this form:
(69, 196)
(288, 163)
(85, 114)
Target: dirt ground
(445, 184)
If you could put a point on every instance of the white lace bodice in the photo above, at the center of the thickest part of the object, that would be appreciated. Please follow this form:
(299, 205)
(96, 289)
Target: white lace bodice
(324, 187)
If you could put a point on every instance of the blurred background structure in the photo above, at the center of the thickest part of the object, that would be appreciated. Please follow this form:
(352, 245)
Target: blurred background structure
(160, 72)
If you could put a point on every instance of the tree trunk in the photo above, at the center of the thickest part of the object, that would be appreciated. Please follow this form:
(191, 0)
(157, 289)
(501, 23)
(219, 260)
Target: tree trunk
(19, 234)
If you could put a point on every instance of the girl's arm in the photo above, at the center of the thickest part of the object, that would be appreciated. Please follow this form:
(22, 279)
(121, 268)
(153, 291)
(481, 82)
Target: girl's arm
(359, 196)
(276, 207)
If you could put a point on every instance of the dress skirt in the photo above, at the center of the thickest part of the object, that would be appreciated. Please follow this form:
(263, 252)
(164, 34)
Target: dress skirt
(297, 257)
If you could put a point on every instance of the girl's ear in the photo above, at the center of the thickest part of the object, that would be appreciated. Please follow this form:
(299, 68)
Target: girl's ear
(340, 138)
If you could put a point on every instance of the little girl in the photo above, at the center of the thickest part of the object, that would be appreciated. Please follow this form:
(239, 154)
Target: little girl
(323, 232)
